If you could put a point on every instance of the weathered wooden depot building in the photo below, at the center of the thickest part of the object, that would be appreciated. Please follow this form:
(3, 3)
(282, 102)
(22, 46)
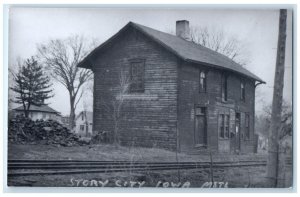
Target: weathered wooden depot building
(181, 94)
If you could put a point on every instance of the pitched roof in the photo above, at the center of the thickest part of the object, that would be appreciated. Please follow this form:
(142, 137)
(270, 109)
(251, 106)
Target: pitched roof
(184, 49)
(88, 114)
(43, 108)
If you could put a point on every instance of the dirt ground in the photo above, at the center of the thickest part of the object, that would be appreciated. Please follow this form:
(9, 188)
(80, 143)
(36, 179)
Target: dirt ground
(228, 177)
(106, 152)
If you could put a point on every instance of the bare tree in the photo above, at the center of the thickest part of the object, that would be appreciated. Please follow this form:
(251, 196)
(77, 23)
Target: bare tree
(263, 121)
(273, 142)
(220, 42)
(62, 58)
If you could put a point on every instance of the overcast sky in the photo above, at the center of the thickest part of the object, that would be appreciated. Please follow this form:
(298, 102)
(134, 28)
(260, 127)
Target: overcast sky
(257, 28)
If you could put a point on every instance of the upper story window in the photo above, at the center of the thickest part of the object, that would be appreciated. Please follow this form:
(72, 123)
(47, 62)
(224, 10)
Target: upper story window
(243, 91)
(202, 81)
(224, 87)
(82, 116)
(137, 76)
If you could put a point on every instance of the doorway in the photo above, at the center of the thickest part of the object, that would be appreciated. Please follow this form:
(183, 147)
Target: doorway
(237, 132)
(200, 133)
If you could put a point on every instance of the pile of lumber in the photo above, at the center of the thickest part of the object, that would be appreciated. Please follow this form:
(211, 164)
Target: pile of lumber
(23, 130)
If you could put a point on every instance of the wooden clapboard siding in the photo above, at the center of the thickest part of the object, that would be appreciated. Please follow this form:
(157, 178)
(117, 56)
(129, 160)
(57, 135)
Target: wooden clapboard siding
(150, 117)
(189, 97)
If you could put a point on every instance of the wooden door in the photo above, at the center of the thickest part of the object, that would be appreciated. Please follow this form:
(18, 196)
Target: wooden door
(238, 132)
(200, 136)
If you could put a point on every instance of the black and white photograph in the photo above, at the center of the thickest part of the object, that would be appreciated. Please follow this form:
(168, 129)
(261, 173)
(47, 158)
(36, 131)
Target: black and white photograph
(150, 97)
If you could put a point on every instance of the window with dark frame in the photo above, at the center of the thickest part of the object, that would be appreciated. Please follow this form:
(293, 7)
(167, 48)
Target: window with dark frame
(81, 127)
(200, 111)
(221, 126)
(137, 74)
(242, 91)
(226, 126)
(224, 87)
(224, 120)
(247, 127)
(202, 81)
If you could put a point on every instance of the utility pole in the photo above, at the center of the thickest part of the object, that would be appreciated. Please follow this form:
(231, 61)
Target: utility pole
(273, 142)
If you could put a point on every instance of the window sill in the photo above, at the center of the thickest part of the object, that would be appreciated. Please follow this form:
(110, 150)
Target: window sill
(224, 138)
(140, 96)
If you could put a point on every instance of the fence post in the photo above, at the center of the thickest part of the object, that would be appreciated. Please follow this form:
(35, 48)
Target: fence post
(211, 168)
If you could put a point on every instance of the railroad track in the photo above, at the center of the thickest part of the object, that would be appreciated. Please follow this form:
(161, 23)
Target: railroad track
(63, 167)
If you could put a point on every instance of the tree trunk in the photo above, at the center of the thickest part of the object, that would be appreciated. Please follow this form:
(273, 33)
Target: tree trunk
(26, 114)
(272, 166)
(26, 110)
(72, 113)
(115, 134)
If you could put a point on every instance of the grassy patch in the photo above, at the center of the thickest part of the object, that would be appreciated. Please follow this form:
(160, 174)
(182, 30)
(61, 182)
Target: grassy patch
(106, 152)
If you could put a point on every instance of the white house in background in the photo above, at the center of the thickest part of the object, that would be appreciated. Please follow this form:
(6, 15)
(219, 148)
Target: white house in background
(84, 124)
(43, 112)
(65, 120)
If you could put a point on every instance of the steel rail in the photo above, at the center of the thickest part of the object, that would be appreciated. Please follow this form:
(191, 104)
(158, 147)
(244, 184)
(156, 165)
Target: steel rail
(136, 168)
(11, 167)
(69, 162)
(97, 161)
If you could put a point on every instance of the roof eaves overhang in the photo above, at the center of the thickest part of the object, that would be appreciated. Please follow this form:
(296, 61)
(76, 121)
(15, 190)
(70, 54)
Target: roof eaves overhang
(193, 61)
(223, 68)
(87, 61)
(38, 111)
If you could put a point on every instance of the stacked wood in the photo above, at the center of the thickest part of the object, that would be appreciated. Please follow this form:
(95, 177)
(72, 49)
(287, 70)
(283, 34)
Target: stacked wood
(23, 130)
